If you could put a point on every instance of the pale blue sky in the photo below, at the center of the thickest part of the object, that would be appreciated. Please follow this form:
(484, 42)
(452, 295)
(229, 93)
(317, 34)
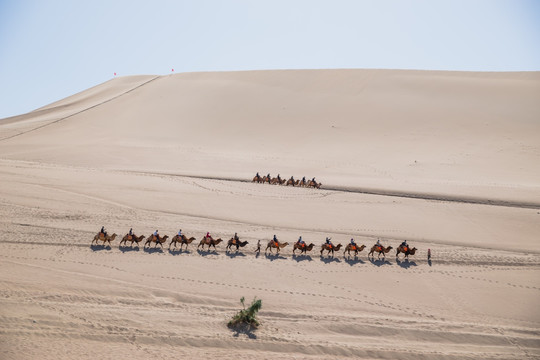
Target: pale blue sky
(52, 49)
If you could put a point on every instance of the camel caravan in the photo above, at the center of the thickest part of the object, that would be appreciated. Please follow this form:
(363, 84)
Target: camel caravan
(327, 248)
(291, 181)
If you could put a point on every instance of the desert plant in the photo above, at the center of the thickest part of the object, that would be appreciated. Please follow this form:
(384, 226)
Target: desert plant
(247, 316)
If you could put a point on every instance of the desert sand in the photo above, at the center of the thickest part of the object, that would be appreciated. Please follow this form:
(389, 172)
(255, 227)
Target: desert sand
(449, 161)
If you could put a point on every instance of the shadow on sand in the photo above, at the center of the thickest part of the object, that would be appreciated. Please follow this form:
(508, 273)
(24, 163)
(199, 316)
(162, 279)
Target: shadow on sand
(126, 248)
(353, 260)
(152, 250)
(244, 330)
(329, 259)
(274, 256)
(178, 251)
(299, 258)
(379, 262)
(206, 252)
(95, 247)
(233, 254)
(405, 263)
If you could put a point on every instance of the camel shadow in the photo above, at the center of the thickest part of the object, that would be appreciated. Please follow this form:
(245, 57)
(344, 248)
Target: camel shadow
(126, 248)
(299, 258)
(177, 251)
(329, 259)
(206, 252)
(379, 262)
(96, 247)
(273, 256)
(152, 250)
(234, 254)
(244, 330)
(353, 260)
(405, 263)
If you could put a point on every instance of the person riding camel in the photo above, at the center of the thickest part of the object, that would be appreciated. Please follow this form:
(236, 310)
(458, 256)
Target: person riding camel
(301, 242)
(404, 245)
(155, 235)
(275, 240)
(180, 233)
(329, 243)
(103, 231)
(379, 244)
(130, 232)
(268, 177)
(258, 176)
(279, 178)
(353, 244)
(208, 237)
(236, 239)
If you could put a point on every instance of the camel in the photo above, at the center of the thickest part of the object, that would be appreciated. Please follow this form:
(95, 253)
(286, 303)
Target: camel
(105, 238)
(236, 243)
(303, 248)
(209, 241)
(132, 238)
(406, 250)
(277, 180)
(182, 240)
(314, 184)
(292, 182)
(257, 179)
(271, 244)
(380, 249)
(266, 179)
(302, 183)
(330, 248)
(156, 239)
(356, 249)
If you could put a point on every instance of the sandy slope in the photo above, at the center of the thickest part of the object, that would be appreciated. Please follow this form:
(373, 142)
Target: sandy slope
(167, 152)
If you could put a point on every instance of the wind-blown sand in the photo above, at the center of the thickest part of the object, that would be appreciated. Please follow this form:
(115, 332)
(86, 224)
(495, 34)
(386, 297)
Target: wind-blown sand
(448, 161)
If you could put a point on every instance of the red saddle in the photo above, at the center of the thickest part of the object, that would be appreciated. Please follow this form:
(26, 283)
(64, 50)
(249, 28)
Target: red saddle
(405, 248)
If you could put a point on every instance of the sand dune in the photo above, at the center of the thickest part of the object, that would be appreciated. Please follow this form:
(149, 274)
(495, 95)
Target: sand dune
(448, 161)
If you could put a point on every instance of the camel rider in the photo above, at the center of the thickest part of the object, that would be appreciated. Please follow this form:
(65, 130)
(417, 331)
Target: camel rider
(268, 177)
(329, 243)
(208, 237)
(313, 180)
(353, 243)
(236, 238)
(304, 179)
(258, 176)
(131, 232)
(275, 240)
(301, 242)
(103, 231)
(379, 244)
(279, 178)
(180, 233)
(156, 236)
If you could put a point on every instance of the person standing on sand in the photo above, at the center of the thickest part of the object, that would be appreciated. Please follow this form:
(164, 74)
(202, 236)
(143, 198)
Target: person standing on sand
(258, 246)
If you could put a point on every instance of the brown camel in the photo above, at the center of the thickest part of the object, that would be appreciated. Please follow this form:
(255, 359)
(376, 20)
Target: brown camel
(182, 240)
(314, 184)
(406, 250)
(237, 243)
(105, 238)
(380, 249)
(209, 241)
(303, 248)
(266, 179)
(257, 179)
(156, 239)
(278, 181)
(292, 182)
(354, 248)
(272, 245)
(131, 238)
(330, 248)
(302, 183)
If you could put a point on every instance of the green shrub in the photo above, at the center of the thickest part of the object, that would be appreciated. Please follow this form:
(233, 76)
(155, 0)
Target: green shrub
(247, 316)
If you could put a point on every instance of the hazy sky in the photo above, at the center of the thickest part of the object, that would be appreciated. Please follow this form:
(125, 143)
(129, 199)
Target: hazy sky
(52, 49)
